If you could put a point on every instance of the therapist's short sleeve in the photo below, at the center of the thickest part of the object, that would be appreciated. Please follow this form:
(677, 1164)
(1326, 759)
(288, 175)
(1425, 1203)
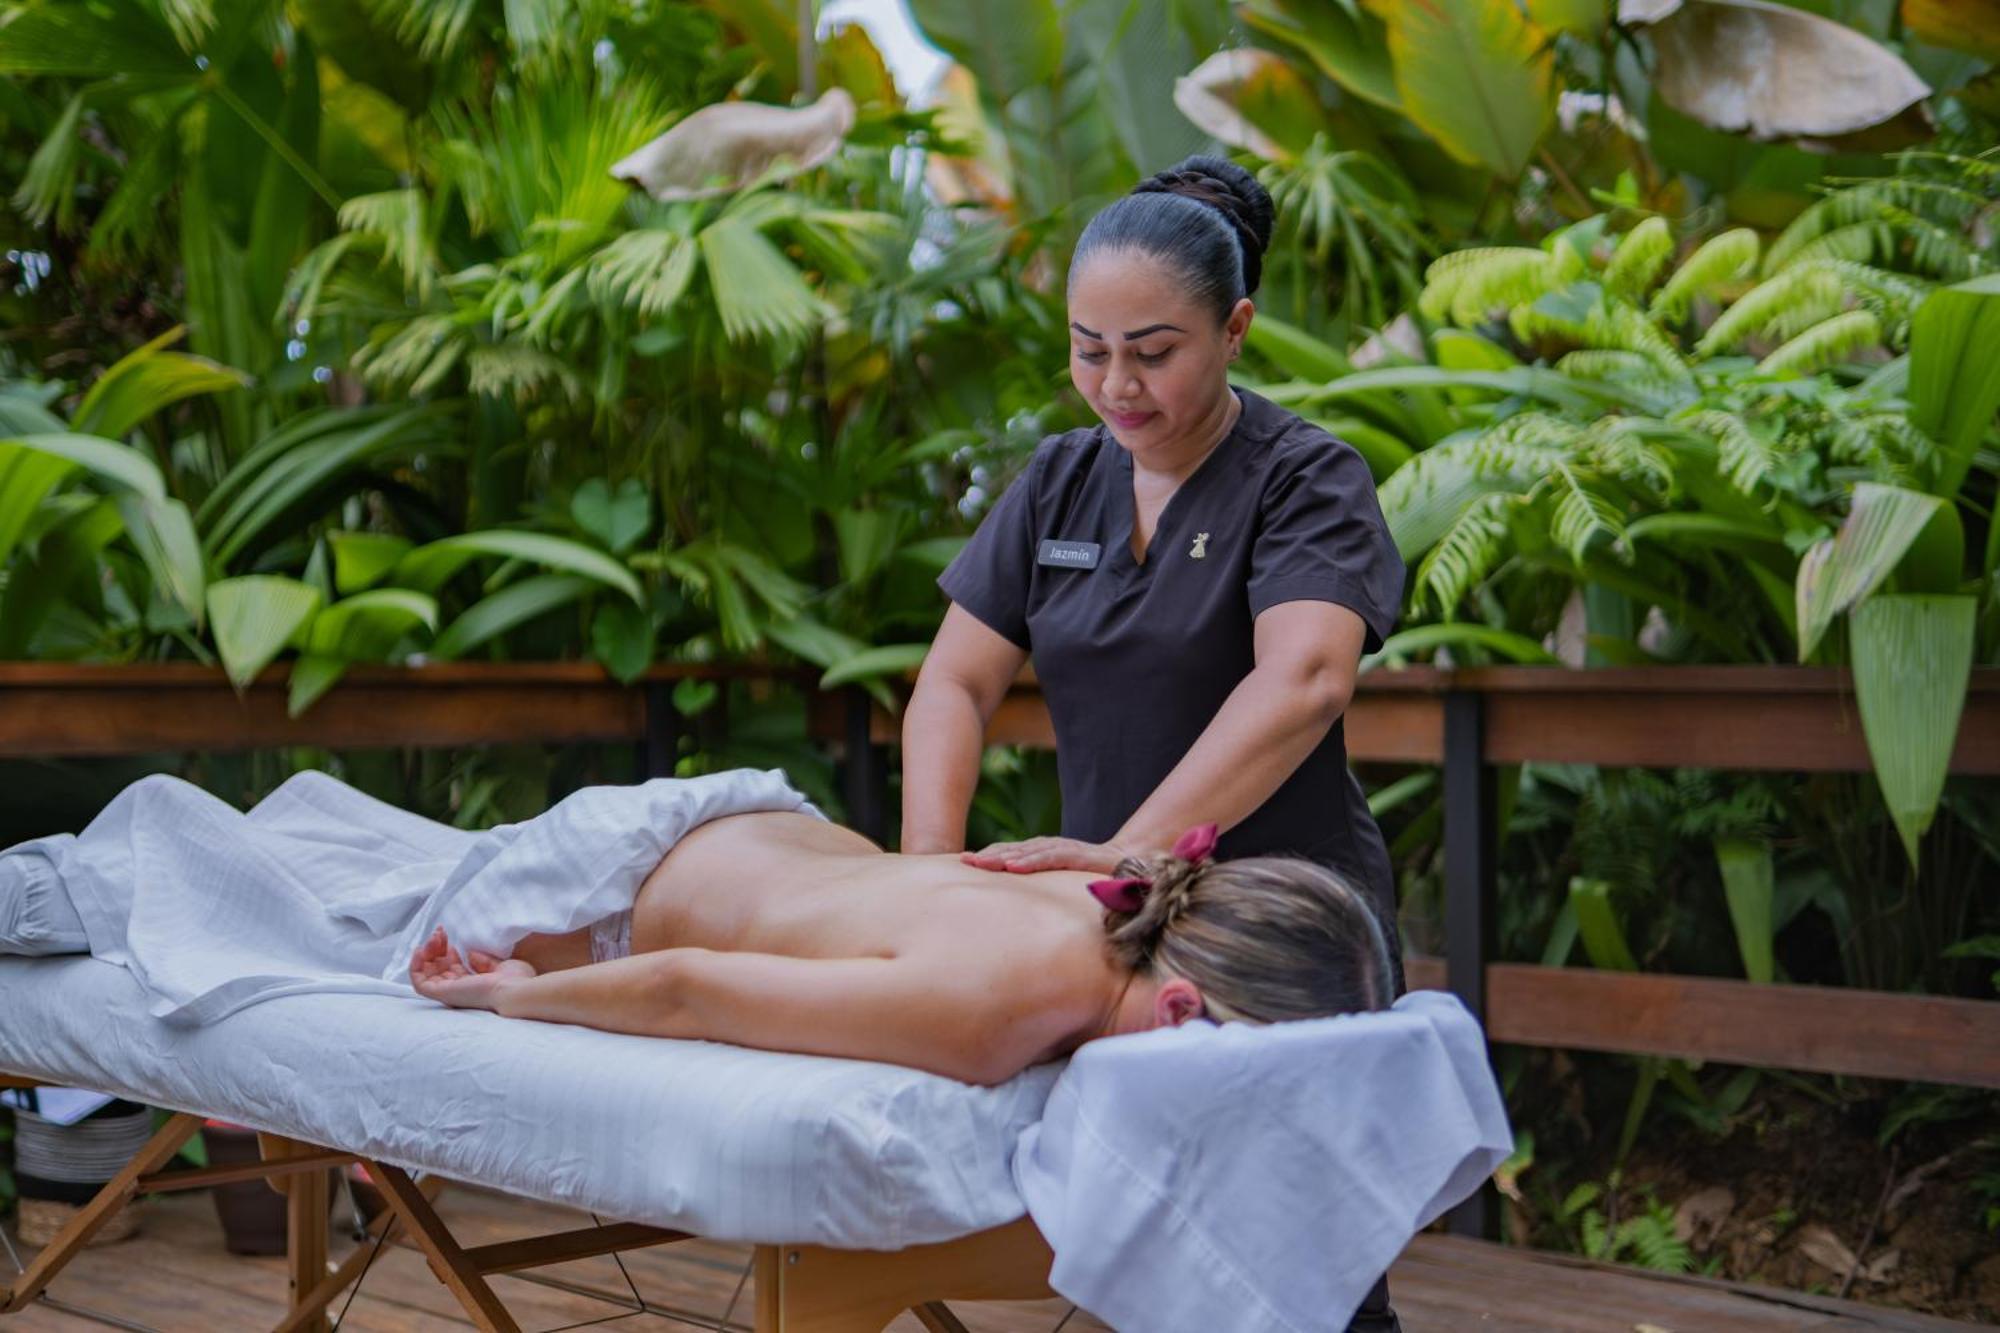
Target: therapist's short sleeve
(1322, 537)
(990, 578)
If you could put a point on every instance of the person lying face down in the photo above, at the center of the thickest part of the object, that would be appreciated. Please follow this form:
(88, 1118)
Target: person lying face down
(783, 931)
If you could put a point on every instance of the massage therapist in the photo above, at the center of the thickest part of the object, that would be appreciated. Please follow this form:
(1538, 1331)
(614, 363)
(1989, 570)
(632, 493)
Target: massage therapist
(1197, 577)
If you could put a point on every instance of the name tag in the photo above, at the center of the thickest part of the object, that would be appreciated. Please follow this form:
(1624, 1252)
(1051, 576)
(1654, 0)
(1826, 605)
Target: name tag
(1068, 555)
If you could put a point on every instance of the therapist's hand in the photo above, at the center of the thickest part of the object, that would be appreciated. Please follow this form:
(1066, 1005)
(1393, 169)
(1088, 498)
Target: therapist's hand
(1046, 854)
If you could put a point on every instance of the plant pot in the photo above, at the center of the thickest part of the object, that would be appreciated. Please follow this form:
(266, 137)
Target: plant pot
(251, 1211)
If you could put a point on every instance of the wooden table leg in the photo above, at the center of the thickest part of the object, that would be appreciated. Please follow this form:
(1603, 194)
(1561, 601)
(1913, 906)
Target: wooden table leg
(448, 1259)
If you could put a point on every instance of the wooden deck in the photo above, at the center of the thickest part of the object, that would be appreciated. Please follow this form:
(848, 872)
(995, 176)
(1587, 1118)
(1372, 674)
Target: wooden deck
(175, 1277)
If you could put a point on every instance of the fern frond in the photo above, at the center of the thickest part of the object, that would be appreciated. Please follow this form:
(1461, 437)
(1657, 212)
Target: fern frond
(1719, 261)
(1612, 447)
(1885, 442)
(1466, 554)
(1791, 296)
(1425, 496)
(1823, 344)
(1652, 388)
(1746, 456)
(1637, 260)
(1582, 515)
(1651, 1239)
(1466, 284)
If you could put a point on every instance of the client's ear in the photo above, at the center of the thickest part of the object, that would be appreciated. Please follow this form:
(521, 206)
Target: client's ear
(1176, 1002)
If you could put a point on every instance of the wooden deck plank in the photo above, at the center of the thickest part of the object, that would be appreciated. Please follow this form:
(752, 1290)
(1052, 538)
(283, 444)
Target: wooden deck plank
(175, 1277)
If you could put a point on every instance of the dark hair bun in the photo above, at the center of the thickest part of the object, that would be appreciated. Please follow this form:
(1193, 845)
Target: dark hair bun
(1230, 191)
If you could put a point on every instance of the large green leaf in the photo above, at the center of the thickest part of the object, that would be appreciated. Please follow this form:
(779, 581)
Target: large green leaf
(364, 627)
(1880, 527)
(892, 659)
(1912, 658)
(1597, 925)
(253, 618)
(362, 559)
(1462, 634)
(91, 41)
(1009, 45)
(1747, 882)
(66, 558)
(119, 464)
(163, 531)
(511, 606)
(1294, 351)
(1477, 75)
(1349, 45)
(146, 380)
(26, 479)
(1955, 372)
(427, 567)
(316, 456)
(1135, 46)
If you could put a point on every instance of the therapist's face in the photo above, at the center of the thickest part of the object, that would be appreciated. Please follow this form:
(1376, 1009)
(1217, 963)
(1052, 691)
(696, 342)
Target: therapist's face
(1149, 361)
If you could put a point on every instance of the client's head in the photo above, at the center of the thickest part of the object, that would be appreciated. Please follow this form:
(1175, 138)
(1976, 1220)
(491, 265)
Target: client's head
(1260, 940)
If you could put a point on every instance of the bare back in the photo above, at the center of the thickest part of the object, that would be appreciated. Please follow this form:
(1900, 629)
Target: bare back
(785, 931)
(794, 885)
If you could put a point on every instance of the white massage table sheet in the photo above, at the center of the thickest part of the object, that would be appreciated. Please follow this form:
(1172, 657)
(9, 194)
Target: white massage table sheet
(725, 1142)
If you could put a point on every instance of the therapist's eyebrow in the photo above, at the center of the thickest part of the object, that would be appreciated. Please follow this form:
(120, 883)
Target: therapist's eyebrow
(1132, 334)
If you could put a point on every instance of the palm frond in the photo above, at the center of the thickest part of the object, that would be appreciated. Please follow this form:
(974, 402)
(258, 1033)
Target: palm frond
(398, 221)
(757, 291)
(647, 270)
(518, 373)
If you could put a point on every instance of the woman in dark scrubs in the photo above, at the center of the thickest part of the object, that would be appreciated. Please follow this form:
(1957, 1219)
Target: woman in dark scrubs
(1196, 577)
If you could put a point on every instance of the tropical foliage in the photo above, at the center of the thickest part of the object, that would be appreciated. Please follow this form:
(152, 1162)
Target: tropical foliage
(331, 337)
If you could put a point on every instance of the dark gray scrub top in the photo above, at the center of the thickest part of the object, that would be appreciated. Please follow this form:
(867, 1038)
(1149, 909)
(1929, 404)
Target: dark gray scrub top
(1136, 660)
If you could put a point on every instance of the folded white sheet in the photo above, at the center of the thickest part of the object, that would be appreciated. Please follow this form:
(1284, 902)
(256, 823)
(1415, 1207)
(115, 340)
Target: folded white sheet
(1235, 1179)
(726, 1142)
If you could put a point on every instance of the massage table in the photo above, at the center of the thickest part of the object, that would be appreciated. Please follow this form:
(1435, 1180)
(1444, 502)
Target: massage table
(867, 1189)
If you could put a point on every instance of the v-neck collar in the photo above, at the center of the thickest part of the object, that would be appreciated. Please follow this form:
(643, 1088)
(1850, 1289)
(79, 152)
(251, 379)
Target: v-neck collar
(1125, 507)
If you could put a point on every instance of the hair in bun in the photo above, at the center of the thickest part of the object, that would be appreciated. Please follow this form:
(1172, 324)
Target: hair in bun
(1206, 217)
(1264, 938)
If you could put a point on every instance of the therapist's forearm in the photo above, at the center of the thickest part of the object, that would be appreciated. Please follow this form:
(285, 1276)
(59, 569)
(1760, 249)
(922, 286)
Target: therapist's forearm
(943, 738)
(1269, 724)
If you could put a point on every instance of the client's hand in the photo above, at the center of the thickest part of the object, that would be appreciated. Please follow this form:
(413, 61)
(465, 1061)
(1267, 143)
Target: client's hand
(438, 974)
(1046, 854)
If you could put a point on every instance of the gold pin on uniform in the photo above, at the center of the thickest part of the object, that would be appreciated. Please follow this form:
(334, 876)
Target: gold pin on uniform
(1200, 548)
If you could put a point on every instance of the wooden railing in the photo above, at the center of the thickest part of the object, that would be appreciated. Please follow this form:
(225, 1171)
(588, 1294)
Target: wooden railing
(1468, 722)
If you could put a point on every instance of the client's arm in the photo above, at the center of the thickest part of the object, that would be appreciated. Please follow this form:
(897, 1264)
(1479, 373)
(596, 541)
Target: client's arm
(910, 1011)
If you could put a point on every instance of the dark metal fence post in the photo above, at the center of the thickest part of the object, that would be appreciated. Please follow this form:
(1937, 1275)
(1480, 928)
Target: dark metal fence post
(867, 771)
(1469, 893)
(661, 746)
